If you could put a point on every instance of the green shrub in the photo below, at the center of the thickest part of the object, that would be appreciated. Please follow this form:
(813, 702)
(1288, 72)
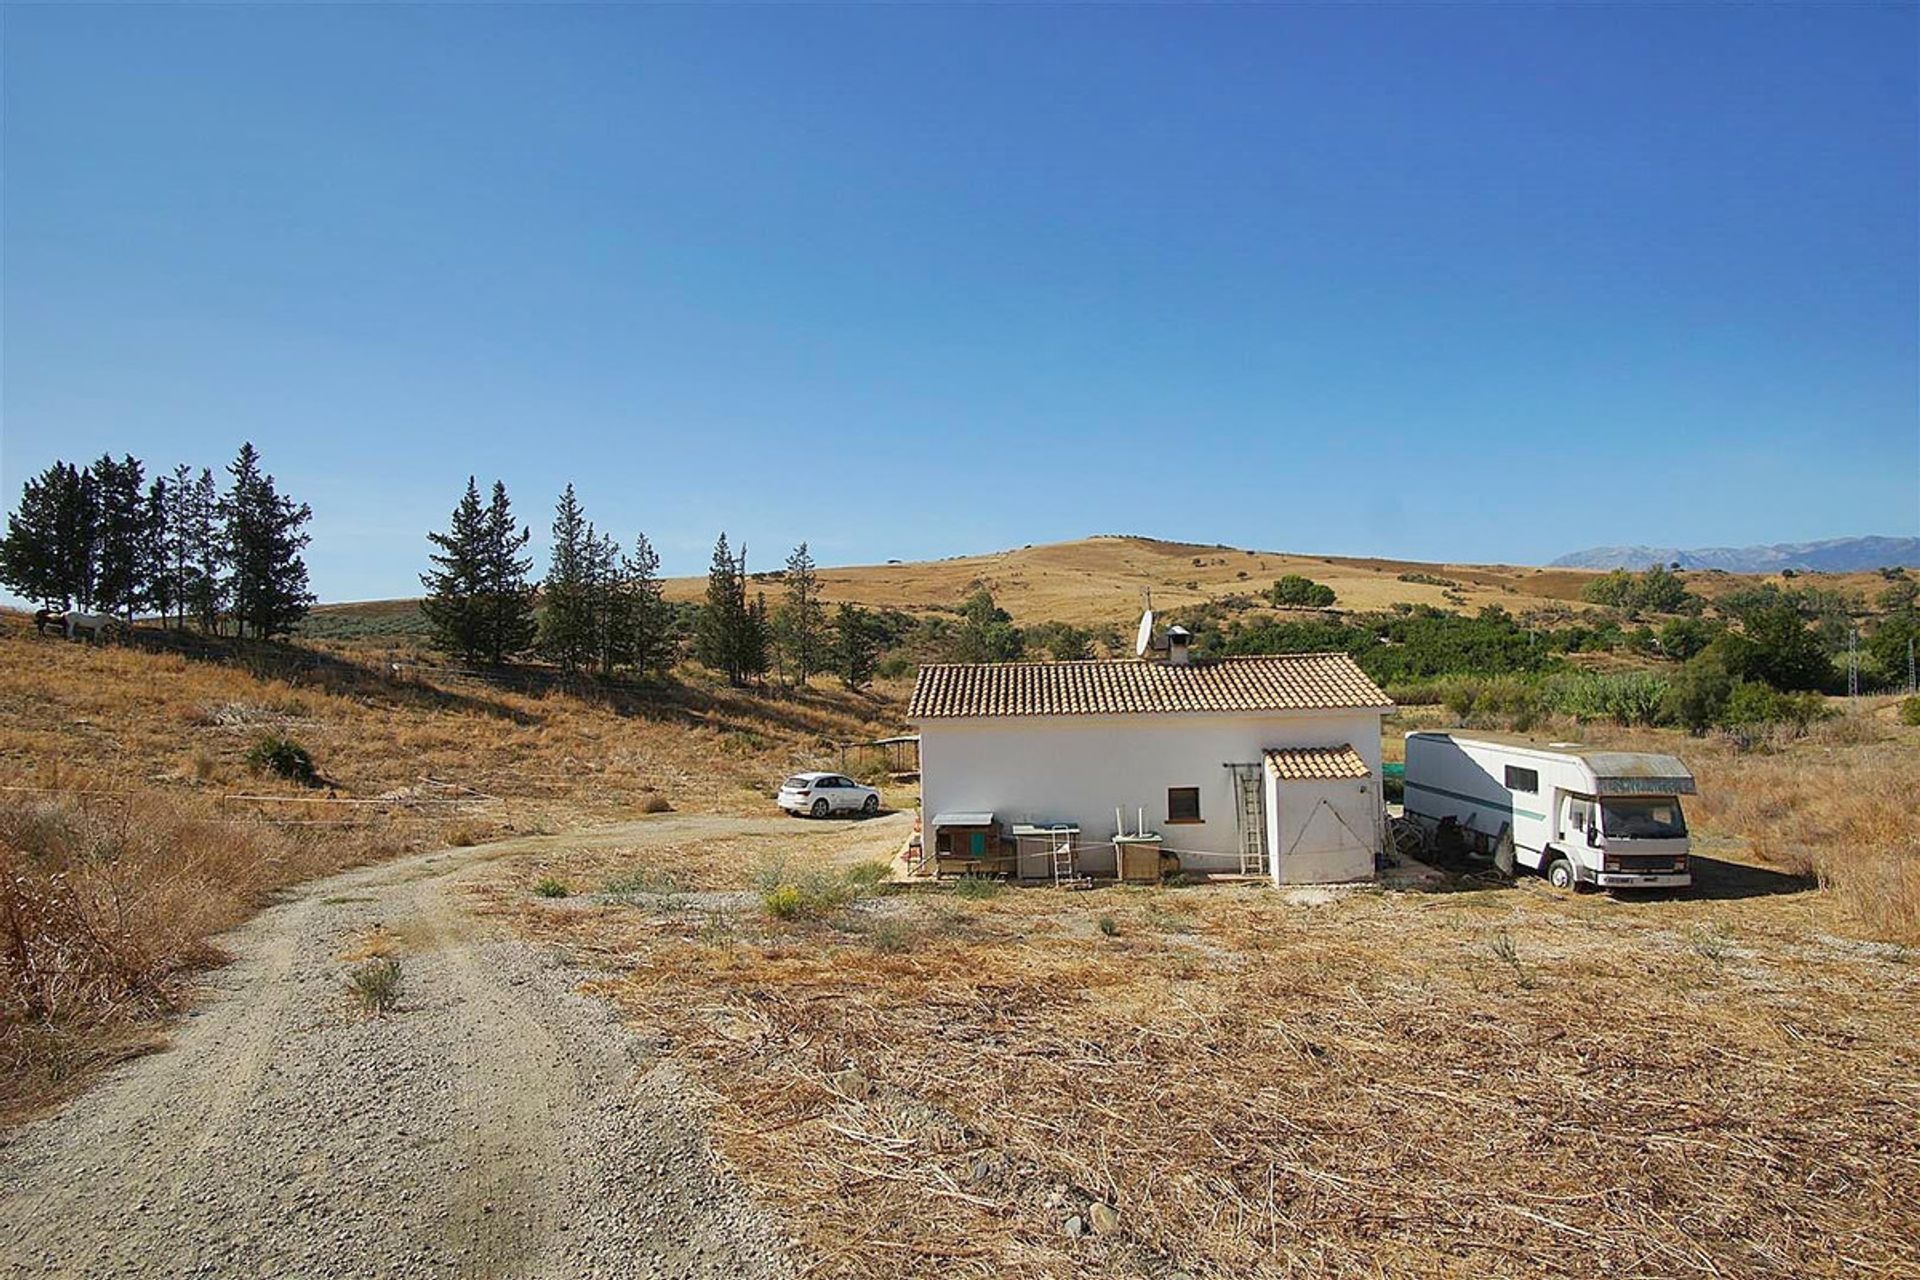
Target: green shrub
(1910, 711)
(284, 758)
(552, 888)
(1108, 925)
(376, 985)
(1697, 694)
(1750, 703)
(814, 892)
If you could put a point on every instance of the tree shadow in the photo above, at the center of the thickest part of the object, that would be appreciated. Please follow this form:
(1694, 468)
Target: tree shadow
(331, 673)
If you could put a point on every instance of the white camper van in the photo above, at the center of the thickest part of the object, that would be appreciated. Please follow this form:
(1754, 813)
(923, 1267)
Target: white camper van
(1610, 819)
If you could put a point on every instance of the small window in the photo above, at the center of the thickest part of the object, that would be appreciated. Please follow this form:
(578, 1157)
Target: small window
(1183, 804)
(1519, 779)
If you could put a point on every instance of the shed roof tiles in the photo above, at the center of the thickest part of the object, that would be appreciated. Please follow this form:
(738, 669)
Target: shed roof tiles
(1316, 764)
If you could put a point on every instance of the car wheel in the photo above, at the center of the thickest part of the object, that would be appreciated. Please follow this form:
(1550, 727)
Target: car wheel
(820, 808)
(871, 807)
(1560, 874)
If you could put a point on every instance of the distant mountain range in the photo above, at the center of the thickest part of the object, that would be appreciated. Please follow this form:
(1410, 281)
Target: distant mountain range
(1835, 555)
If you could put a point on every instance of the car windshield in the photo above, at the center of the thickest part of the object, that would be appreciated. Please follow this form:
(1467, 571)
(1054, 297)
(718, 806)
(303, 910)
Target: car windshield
(798, 782)
(1643, 819)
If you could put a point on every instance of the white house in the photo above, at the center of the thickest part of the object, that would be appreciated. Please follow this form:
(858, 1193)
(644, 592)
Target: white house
(1263, 765)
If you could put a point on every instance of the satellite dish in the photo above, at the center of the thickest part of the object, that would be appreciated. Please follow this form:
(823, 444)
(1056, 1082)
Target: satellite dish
(1144, 641)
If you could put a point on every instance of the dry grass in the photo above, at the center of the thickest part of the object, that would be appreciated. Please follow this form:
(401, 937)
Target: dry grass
(1363, 1087)
(1477, 1082)
(458, 748)
(108, 905)
(132, 830)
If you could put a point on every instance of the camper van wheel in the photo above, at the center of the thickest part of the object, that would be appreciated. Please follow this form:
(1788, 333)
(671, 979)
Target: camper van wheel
(871, 806)
(820, 807)
(1560, 873)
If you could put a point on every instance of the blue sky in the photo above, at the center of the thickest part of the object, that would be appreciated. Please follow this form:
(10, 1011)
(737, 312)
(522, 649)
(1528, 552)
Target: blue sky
(1445, 282)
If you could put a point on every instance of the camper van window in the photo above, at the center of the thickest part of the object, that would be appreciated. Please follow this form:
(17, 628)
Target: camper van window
(1519, 779)
(1643, 819)
(1183, 804)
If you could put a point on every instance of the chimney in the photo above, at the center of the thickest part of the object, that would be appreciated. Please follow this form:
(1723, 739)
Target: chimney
(1179, 646)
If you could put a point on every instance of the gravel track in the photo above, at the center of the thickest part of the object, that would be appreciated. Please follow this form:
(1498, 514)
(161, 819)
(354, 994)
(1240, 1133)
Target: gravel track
(497, 1124)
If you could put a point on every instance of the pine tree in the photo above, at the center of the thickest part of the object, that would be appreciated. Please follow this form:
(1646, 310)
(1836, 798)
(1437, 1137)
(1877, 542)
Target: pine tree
(121, 558)
(175, 548)
(456, 605)
(264, 538)
(47, 553)
(607, 601)
(507, 595)
(756, 632)
(649, 620)
(567, 619)
(856, 646)
(800, 625)
(204, 550)
(163, 588)
(724, 618)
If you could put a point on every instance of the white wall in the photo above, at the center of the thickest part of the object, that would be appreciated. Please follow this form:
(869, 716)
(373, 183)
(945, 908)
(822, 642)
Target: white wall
(1078, 768)
(1323, 831)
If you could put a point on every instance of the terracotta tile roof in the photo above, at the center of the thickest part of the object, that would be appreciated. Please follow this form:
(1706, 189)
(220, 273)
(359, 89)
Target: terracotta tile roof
(1276, 682)
(1315, 764)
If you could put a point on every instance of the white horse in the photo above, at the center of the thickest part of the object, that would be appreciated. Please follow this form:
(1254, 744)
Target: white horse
(92, 625)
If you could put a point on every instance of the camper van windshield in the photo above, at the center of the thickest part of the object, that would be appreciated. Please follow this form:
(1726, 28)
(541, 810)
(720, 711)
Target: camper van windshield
(1643, 819)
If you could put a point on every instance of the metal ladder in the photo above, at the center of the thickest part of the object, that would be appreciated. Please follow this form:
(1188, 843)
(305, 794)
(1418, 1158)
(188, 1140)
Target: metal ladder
(1252, 818)
(1066, 870)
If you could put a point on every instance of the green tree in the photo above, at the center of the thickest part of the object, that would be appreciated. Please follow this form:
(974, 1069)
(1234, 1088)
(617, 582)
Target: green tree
(568, 631)
(1061, 641)
(265, 534)
(456, 605)
(1887, 647)
(205, 583)
(650, 644)
(856, 648)
(506, 596)
(1681, 638)
(47, 554)
(722, 636)
(1775, 646)
(1696, 696)
(1294, 590)
(800, 624)
(986, 632)
(756, 636)
(122, 555)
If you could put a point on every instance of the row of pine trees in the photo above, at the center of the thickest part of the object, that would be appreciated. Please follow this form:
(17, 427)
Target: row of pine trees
(102, 538)
(600, 608)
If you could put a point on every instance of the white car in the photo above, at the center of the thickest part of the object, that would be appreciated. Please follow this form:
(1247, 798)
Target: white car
(820, 794)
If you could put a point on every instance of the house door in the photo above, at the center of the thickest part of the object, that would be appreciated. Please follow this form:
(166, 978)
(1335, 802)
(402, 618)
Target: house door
(1250, 814)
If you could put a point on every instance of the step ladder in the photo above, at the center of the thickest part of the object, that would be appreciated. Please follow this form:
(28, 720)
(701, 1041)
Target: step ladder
(1065, 865)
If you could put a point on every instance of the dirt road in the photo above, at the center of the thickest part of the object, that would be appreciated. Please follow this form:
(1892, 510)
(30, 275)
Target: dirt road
(497, 1124)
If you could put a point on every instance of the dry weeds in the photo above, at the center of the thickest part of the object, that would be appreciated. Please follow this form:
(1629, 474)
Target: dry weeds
(1363, 1087)
(132, 831)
